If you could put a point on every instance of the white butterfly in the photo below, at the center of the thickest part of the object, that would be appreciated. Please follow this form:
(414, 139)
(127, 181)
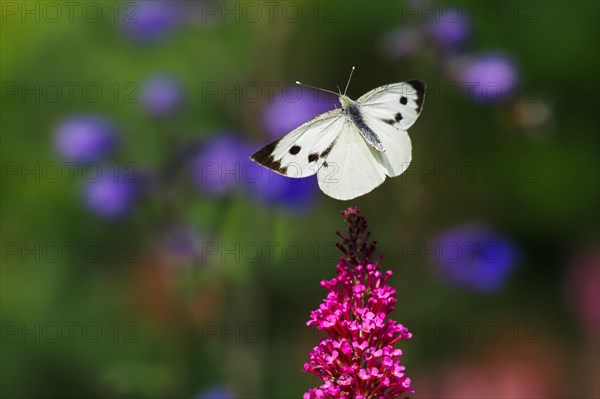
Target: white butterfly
(354, 148)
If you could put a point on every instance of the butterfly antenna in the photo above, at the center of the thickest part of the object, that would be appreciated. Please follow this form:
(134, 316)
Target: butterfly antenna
(348, 84)
(317, 88)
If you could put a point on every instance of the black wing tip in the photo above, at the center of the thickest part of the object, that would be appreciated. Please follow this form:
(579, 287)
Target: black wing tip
(420, 87)
(264, 153)
(256, 157)
(264, 157)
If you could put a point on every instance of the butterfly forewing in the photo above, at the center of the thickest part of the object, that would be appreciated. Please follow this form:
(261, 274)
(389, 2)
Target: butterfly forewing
(301, 152)
(397, 104)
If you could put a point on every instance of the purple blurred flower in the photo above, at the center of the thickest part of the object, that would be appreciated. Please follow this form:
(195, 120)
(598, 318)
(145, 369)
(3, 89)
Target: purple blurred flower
(220, 164)
(491, 77)
(85, 138)
(149, 21)
(450, 29)
(294, 107)
(474, 256)
(161, 95)
(403, 41)
(111, 196)
(217, 393)
(274, 189)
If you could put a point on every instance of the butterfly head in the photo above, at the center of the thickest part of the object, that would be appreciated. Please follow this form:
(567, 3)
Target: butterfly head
(345, 101)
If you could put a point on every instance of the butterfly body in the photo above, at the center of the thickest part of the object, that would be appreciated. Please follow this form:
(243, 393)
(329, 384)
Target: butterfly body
(351, 149)
(352, 110)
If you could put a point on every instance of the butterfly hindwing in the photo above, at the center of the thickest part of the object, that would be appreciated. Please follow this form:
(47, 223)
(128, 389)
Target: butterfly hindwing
(301, 152)
(351, 169)
(398, 148)
(396, 104)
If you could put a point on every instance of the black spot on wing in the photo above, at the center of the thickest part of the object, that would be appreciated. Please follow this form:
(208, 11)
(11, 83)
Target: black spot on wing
(420, 89)
(264, 157)
(295, 149)
(397, 118)
(403, 100)
(327, 150)
(313, 157)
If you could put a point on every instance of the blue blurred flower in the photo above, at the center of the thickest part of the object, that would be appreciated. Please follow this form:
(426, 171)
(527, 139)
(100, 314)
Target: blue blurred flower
(217, 393)
(85, 138)
(450, 29)
(271, 188)
(474, 256)
(492, 76)
(220, 164)
(294, 107)
(161, 95)
(110, 195)
(403, 41)
(151, 20)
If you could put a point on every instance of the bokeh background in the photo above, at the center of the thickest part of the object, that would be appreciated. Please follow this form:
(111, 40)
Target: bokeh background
(144, 256)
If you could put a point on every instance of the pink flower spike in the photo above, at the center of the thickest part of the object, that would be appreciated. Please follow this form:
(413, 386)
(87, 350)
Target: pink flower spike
(357, 359)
